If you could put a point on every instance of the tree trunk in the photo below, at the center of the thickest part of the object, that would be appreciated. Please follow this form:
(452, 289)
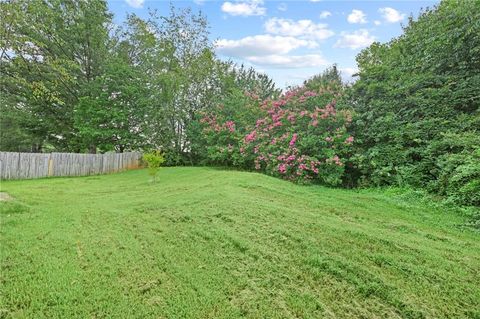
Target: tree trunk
(37, 148)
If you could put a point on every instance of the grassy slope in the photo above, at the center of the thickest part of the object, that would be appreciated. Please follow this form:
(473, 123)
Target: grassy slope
(206, 243)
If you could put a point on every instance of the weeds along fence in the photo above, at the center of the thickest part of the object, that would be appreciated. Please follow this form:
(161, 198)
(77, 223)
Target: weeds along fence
(36, 165)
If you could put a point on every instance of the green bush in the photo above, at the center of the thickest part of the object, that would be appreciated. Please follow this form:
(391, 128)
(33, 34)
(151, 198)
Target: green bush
(301, 136)
(416, 104)
(458, 165)
(154, 161)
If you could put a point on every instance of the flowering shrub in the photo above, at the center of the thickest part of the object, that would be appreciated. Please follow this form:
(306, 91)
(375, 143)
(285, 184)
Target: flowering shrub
(300, 137)
(222, 139)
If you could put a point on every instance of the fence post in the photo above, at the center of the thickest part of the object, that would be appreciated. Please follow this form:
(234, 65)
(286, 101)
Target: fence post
(50, 165)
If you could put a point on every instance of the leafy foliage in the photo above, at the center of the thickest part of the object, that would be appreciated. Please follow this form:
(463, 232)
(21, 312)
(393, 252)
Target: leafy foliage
(50, 51)
(154, 161)
(299, 136)
(417, 101)
(73, 81)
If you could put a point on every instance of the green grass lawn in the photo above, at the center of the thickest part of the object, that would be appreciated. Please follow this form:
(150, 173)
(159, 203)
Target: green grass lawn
(208, 243)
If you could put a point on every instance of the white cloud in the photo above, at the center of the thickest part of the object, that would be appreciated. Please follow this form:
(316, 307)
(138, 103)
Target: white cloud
(348, 71)
(391, 15)
(301, 28)
(261, 45)
(357, 16)
(377, 22)
(282, 6)
(347, 74)
(355, 40)
(325, 14)
(289, 61)
(244, 8)
(199, 2)
(135, 3)
(315, 0)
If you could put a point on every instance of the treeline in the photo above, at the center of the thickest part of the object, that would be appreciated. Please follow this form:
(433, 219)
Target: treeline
(417, 105)
(73, 81)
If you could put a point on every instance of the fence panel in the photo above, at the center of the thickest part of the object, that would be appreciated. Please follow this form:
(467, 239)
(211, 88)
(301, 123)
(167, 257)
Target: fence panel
(35, 165)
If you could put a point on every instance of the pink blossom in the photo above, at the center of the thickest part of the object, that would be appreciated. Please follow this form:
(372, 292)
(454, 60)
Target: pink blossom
(275, 117)
(260, 122)
(335, 160)
(288, 95)
(291, 118)
(293, 140)
(282, 168)
(251, 137)
(349, 140)
(279, 103)
(328, 139)
(230, 126)
(310, 93)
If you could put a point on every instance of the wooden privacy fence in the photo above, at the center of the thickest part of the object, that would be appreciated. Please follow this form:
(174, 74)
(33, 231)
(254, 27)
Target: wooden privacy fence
(35, 165)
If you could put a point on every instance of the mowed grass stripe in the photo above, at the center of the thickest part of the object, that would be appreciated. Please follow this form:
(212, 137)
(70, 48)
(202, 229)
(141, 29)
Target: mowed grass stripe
(210, 243)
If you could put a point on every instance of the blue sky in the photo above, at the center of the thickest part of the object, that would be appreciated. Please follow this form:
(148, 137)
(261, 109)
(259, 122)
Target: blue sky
(291, 40)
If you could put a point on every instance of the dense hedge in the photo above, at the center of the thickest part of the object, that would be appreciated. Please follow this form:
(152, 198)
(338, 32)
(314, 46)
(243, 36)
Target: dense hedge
(417, 99)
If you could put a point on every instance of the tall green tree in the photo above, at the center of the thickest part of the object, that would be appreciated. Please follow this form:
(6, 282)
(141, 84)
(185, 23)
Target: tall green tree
(110, 116)
(413, 93)
(188, 87)
(180, 72)
(51, 51)
(330, 77)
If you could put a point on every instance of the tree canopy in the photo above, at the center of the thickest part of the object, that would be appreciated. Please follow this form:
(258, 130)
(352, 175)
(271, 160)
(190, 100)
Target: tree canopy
(73, 81)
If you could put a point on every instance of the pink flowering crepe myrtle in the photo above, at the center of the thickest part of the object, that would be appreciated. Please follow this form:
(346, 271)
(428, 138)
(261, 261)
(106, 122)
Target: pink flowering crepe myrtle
(295, 139)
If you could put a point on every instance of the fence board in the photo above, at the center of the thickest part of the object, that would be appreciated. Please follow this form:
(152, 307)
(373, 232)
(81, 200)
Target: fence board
(35, 165)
